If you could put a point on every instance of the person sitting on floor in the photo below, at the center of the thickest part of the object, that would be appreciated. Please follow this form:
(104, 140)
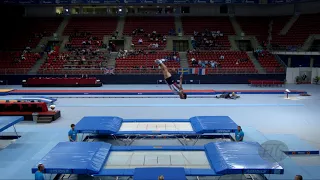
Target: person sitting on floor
(228, 96)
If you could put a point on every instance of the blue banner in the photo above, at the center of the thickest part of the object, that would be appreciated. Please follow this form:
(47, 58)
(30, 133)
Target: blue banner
(66, 2)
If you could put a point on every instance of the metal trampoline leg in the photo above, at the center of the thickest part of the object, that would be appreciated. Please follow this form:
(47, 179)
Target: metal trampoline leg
(183, 144)
(15, 131)
(195, 142)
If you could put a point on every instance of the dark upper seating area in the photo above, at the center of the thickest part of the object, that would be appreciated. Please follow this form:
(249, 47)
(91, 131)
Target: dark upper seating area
(201, 24)
(305, 25)
(89, 30)
(256, 26)
(31, 30)
(162, 26)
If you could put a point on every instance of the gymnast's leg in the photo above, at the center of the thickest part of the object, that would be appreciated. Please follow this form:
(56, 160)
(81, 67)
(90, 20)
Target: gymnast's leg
(164, 68)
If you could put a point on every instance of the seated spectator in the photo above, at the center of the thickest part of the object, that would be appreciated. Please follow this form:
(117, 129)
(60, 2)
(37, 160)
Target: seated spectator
(212, 64)
(164, 38)
(140, 41)
(134, 32)
(84, 43)
(193, 62)
(221, 57)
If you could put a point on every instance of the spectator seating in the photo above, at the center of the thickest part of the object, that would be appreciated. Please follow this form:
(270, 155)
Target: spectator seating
(199, 24)
(305, 25)
(269, 63)
(74, 60)
(96, 27)
(145, 60)
(31, 30)
(229, 61)
(265, 83)
(26, 109)
(62, 82)
(259, 26)
(256, 26)
(162, 25)
(12, 63)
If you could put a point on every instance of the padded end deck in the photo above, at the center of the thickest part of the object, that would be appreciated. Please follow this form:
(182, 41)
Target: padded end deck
(99, 124)
(239, 158)
(213, 124)
(75, 158)
(154, 173)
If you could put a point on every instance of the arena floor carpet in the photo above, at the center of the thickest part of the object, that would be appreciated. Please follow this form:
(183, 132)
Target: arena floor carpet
(260, 115)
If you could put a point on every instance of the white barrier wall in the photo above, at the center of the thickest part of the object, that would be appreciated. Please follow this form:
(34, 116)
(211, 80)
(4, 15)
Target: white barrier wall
(315, 72)
(292, 73)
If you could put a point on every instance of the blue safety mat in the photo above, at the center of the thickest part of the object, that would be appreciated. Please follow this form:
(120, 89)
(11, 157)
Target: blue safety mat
(99, 124)
(75, 158)
(240, 158)
(8, 121)
(154, 173)
(213, 124)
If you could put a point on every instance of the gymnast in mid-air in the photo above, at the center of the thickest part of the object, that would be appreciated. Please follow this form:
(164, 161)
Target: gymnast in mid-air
(172, 83)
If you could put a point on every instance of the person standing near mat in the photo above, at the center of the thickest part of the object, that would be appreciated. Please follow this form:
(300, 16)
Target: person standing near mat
(39, 174)
(172, 83)
(72, 134)
(239, 134)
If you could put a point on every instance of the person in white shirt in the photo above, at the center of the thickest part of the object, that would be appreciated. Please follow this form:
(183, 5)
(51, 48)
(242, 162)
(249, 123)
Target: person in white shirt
(222, 57)
(140, 41)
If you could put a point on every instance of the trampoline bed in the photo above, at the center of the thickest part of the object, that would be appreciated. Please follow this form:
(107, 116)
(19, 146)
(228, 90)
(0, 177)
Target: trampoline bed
(103, 159)
(132, 129)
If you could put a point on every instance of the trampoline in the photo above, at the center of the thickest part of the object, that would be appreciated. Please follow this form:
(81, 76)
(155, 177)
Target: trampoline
(147, 162)
(133, 129)
(47, 100)
(8, 121)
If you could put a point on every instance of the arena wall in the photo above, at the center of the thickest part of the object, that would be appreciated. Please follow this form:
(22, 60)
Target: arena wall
(154, 79)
